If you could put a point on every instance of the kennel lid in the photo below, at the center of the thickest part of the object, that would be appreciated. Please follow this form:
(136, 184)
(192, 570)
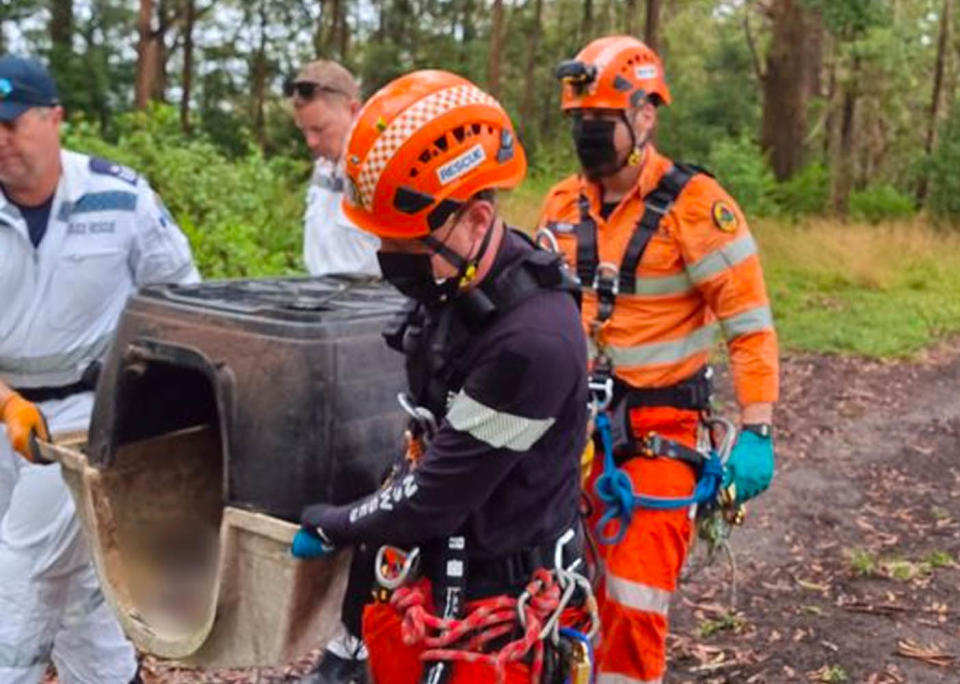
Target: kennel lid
(326, 298)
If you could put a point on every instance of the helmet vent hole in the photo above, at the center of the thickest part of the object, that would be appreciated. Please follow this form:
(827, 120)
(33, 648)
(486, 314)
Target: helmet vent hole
(459, 134)
(441, 142)
(476, 128)
(425, 157)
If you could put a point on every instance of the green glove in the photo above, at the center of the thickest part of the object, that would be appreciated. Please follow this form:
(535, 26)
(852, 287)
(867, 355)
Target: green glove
(750, 468)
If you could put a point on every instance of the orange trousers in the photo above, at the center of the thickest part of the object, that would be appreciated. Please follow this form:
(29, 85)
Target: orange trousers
(640, 573)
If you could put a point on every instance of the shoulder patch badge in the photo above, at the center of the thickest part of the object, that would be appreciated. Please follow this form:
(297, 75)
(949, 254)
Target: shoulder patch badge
(724, 217)
(106, 167)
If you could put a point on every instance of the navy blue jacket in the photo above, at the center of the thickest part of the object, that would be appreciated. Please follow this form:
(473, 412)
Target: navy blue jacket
(503, 469)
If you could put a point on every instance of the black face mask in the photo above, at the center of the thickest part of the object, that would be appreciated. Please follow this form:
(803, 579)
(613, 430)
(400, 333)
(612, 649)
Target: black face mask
(595, 148)
(412, 272)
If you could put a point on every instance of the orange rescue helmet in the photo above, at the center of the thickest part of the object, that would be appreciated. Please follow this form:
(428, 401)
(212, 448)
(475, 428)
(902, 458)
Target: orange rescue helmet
(615, 72)
(421, 147)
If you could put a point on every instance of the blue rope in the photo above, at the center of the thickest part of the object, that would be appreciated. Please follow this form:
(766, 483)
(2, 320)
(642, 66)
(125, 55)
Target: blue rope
(615, 489)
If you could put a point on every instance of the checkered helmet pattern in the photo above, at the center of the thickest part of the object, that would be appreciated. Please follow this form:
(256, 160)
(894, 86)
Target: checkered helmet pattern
(407, 124)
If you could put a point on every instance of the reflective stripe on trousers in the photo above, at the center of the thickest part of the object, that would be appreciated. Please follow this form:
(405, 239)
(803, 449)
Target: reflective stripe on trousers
(613, 678)
(640, 573)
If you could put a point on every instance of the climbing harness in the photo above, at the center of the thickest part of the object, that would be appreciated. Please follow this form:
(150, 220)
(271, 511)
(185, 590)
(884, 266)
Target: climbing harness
(615, 489)
(528, 622)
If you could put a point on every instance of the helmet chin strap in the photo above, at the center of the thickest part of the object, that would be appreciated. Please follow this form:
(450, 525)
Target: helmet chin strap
(635, 156)
(466, 267)
(636, 152)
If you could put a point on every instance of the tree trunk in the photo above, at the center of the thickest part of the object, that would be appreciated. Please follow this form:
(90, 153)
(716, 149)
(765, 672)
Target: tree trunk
(469, 27)
(317, 35)
(530, 85)
(187, 77)
(343, 34)
(937, 99)
(468, 31)
(260, 80)
(61, 41)
(630, 17)
(493, 71)
(651, 29)
(830, 139)
(61, 25)
(146, 54)
(843, 166)
(159, 90)
(586, 26)
(814, 55)
(785, 89)
(333, 28)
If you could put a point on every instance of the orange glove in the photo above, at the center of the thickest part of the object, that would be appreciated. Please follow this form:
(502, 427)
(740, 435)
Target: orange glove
(24, 421)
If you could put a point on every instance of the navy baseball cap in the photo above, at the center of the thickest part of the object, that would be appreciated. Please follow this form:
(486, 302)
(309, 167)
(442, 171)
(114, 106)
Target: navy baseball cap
(24, 83)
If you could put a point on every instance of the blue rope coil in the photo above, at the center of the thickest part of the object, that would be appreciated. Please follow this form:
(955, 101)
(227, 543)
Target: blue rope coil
(615, 489)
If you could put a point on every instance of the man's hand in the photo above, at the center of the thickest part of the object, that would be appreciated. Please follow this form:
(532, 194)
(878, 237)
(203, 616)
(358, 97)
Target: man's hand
(750, 468)
(24, 421)
(311, 542)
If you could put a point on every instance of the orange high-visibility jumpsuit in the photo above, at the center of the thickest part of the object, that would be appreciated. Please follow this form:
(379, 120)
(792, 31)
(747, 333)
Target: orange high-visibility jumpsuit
(700, 273)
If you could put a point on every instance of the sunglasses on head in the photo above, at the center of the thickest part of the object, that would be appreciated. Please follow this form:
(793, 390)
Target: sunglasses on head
(306, 90)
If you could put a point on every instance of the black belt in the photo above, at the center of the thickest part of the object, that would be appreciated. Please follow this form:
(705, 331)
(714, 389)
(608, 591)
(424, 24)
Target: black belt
(517, 568)
(86, 383)
(691, 394)
(655, 446)
(491, 576)
(38, 394)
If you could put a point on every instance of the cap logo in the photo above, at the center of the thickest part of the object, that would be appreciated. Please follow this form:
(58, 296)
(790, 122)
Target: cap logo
(6, 87)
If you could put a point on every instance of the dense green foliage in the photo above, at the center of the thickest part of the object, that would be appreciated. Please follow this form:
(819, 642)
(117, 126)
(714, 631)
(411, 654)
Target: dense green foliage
(234, 171)
(880, 202)
(242, 214)
(945, 171)
(872, 66)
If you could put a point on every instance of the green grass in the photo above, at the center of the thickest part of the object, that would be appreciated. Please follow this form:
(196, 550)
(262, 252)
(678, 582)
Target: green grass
(833, 674)
(879, 291)
(939, 559)
(862, 562)
(882, 291)
(723, 623)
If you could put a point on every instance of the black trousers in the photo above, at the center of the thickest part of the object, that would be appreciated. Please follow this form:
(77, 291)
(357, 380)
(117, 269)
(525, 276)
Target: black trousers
(360, 585)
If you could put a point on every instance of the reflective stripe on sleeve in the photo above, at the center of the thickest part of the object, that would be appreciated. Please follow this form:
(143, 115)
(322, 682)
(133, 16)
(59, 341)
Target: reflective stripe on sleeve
(499, 429)
(749, 321)
(721, 259)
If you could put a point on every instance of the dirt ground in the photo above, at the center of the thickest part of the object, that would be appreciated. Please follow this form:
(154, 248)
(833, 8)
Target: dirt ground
(849, 567)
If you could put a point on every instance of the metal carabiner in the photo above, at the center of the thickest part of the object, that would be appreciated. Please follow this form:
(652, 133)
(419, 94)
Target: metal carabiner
(411, 561)
(546, 235)
(421, 415)
(604, 268)
(562, 542)
(729, 437)
(602, 391)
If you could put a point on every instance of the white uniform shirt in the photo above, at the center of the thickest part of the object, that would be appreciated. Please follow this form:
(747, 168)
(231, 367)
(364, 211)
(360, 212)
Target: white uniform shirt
(108, 233)
(331, 243)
